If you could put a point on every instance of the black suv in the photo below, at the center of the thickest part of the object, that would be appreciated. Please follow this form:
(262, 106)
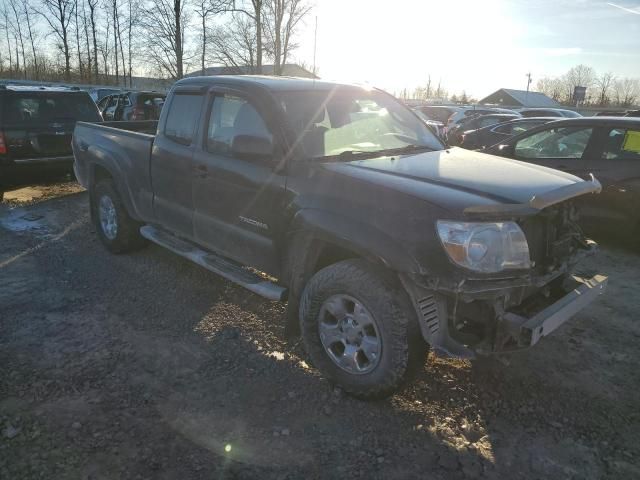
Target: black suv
(36, 125)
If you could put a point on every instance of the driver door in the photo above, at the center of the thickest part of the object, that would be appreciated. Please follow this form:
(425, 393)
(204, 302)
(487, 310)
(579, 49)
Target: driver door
(238, 202)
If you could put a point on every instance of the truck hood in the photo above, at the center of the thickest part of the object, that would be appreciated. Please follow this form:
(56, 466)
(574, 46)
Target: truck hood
(459, 180)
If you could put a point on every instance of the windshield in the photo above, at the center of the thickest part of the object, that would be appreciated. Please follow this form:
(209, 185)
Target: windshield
(355, 120)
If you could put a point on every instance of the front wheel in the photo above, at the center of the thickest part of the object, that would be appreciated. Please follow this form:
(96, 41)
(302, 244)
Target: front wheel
(359, 328)
(116, 229)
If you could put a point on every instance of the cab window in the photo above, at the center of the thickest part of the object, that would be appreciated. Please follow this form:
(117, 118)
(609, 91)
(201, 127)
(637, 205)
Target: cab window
(182, 117)
(232, 116)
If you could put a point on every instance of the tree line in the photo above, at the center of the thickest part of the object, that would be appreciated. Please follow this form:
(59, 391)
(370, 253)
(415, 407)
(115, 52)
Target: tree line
(107, 41)
(603, 90)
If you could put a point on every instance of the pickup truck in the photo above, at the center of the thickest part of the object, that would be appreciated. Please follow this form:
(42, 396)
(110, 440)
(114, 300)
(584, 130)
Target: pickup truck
(339, 200)
(36, 124)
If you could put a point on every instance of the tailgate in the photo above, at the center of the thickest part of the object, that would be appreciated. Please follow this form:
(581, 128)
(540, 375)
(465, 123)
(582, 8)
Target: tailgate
(44, 140)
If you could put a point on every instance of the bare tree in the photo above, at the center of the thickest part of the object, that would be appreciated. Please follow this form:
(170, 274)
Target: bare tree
(92, 16)
(105, 49)
(234, 45)
(253, 10)
(551, 87)
(17, 14)
(282, 17)
(57, 14)
(604, 83)
(163, 22)
(77, 32)
(204, 9)
(578, 76)
(134, 8)
(114, 13)
(118, 31)
(85, 27)
(6, 22)
(30, 29)
(627, 91)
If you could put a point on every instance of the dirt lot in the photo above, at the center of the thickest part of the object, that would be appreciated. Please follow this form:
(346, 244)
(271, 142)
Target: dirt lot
(147, 366)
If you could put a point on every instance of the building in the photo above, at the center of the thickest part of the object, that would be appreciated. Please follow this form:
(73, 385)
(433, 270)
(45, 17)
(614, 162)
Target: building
(519, 98)
(289, 70)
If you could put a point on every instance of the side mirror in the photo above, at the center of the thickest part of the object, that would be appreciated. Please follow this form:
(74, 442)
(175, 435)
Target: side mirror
(506, 150)
(251, 147)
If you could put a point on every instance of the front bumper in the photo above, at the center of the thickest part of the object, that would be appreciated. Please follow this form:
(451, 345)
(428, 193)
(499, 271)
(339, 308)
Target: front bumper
(517, 328)
(531, 330)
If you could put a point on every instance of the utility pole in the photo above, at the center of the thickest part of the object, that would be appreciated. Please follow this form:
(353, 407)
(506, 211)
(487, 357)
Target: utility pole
(528, 75)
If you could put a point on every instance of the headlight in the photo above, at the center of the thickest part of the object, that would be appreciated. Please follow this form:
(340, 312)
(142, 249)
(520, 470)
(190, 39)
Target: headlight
(485, 247)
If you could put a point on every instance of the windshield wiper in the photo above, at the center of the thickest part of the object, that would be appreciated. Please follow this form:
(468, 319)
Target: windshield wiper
(406, 149)
(349, 155)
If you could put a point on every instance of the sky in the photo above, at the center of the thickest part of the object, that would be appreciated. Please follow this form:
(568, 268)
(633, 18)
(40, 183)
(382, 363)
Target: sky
(472, 45)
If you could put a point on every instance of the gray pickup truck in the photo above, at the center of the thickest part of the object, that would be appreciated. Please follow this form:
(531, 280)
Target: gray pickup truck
(340, 201)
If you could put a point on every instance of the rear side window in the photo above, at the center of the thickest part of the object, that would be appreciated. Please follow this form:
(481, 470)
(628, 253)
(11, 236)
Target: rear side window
(182, 118)
(622, 144)
(45, 108)
(568, 142)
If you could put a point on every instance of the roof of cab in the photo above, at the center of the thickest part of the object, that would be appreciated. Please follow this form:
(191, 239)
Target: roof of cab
(268, 82)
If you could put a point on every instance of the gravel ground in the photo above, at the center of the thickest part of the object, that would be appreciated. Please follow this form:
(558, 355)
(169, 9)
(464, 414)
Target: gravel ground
(147, 366)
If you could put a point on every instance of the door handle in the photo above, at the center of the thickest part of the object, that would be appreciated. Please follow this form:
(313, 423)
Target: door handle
(83, 146)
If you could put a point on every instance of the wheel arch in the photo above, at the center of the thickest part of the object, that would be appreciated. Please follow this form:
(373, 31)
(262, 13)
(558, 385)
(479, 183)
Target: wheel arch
(317, 239)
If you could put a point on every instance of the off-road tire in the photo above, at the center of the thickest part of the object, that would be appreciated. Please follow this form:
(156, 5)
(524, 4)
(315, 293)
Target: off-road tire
(128, 236)
(403, 349)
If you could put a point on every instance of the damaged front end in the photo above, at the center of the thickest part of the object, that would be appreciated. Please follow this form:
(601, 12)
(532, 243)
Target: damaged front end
(479, 314)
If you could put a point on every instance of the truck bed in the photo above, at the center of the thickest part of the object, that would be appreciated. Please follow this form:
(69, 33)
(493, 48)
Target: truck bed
(122, 148)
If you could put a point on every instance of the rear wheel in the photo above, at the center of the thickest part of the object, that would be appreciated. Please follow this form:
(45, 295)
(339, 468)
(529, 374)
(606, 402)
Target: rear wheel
(116, 229)
(359, 328)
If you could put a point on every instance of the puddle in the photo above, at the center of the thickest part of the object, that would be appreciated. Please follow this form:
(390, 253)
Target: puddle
(18, 220)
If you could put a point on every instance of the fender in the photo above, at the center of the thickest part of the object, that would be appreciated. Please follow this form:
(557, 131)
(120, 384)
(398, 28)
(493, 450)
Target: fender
(310, 226)
(106, 160)
(354, 235)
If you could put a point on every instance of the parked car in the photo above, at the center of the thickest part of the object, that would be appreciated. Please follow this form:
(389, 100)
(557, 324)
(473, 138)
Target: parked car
(492, 134)
(381, 240)
(132, 106)
(548, 112)
(98, 94)
(608, 147)
(468, 111)
(623, 113)
(36, 124)
(454, 133)
(439, 113)
(437, 127)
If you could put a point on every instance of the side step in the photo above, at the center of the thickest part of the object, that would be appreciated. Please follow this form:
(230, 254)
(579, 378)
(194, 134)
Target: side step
(224, 267)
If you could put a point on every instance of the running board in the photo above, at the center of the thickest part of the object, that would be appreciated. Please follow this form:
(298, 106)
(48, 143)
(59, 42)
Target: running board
(224, 267)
